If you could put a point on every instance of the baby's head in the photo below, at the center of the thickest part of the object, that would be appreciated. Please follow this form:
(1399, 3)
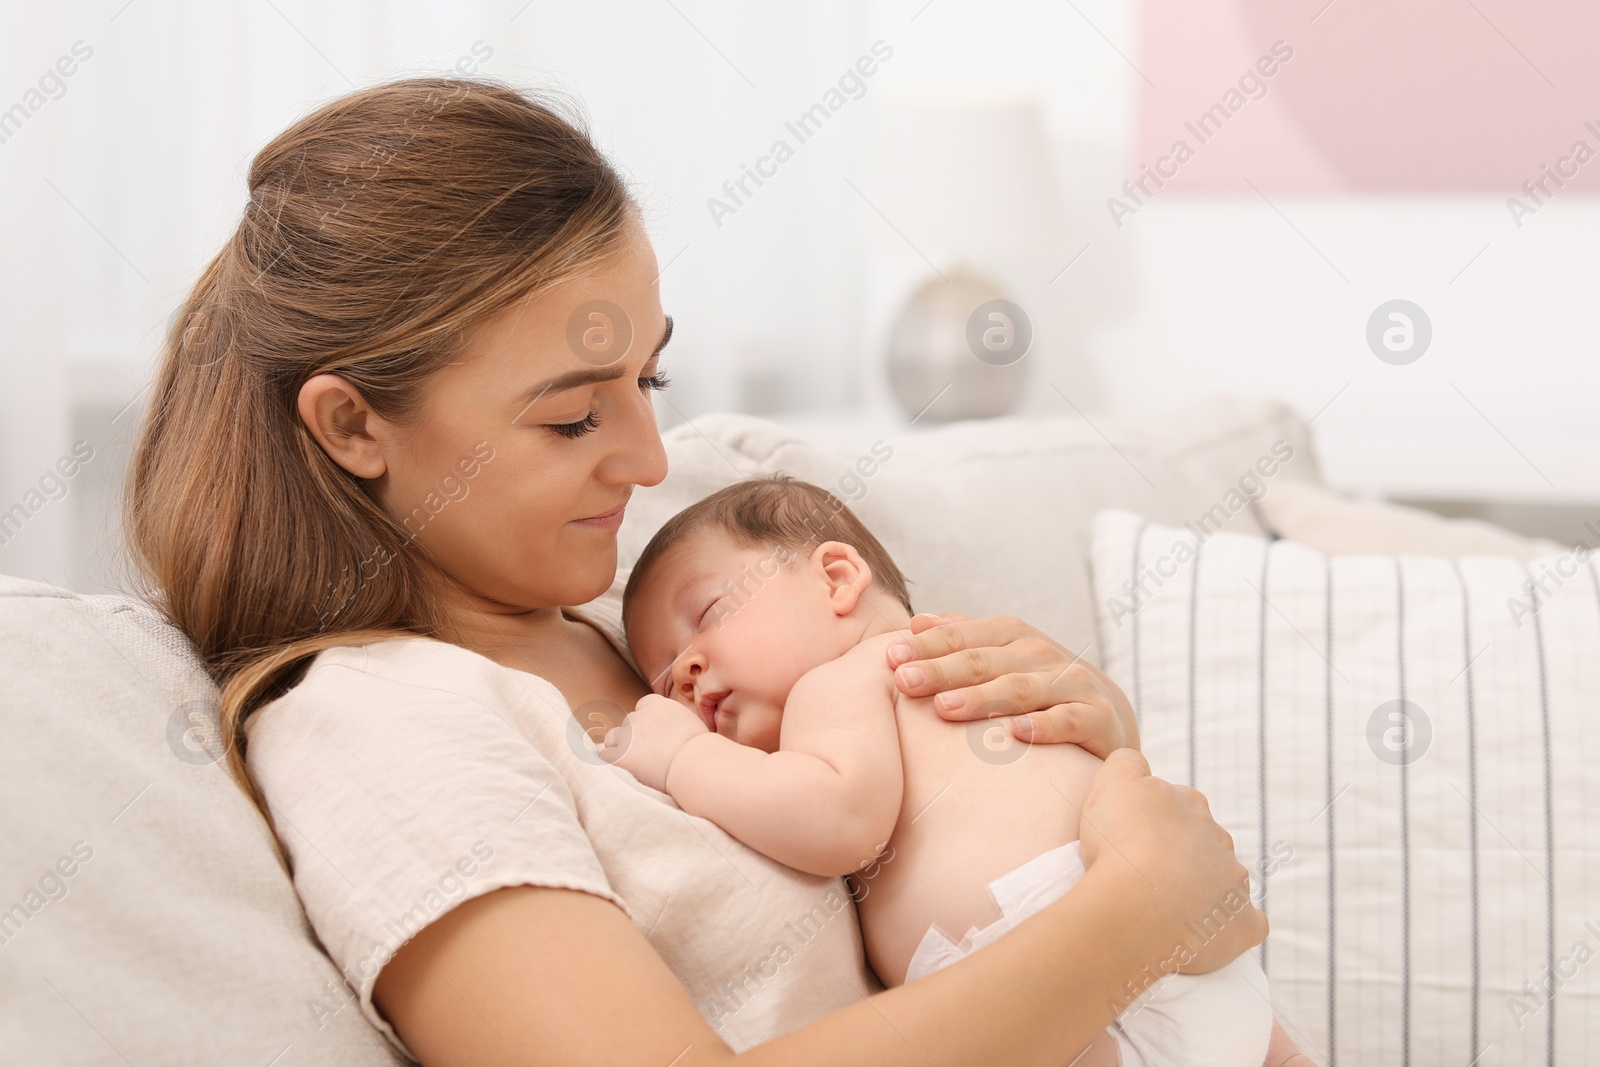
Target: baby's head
(739, 595)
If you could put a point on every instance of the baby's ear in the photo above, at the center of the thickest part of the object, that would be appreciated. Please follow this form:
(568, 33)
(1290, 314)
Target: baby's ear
(847, 574)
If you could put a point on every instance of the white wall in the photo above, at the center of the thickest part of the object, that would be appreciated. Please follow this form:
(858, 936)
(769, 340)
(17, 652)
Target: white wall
(789, 302)
(1231, 298)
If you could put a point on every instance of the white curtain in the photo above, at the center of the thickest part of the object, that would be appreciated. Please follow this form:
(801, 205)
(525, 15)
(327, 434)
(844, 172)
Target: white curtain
(118, 188)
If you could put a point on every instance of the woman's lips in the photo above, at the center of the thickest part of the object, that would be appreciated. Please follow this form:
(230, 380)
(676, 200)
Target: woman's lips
(609, 521)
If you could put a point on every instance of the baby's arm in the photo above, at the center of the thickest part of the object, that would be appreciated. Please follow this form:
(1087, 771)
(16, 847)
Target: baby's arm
(828, 799)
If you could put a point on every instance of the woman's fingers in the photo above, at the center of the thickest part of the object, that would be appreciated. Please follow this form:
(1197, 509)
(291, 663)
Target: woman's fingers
(942, 651)
(1094, 726)
(927, 619)
(1001, 666)
(1165, 833)
(1011, 692)
(945, 631)
(1112, 788)
(1231, 926)
(972, 663)
(1125, 763)
(1049, 707)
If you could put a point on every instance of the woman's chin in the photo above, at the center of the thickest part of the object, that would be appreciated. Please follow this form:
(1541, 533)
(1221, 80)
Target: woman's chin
(589, 578)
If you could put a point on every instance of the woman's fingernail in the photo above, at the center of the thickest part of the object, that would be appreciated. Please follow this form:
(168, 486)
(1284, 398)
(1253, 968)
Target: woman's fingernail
(899, 653)
(911, 675)
(1022, 726)
(950, 701)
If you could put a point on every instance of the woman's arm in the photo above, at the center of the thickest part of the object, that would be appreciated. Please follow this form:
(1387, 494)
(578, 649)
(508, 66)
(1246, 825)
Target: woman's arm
(1002, 666)
(525, 974)
(1283, 1052)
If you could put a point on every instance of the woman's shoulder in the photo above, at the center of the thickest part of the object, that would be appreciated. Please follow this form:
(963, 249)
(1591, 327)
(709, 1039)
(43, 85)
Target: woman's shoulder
(406, 775)
(426, 664)
(403, 656)
(409, 691)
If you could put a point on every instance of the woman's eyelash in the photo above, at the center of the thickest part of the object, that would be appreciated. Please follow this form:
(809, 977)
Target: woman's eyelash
(587, 424)
(591, 422)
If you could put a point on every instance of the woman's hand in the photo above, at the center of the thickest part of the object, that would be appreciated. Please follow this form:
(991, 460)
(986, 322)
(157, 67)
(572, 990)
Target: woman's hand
(1164, 838)
(1283, 1052)
(982, 668)
(649, 737)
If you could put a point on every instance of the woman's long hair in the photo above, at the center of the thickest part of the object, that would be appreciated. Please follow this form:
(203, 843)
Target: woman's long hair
(380, 228)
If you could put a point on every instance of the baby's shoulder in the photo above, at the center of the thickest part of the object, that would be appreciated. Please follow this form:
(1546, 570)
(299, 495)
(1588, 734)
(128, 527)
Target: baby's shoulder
(865, 664)
(872, 655)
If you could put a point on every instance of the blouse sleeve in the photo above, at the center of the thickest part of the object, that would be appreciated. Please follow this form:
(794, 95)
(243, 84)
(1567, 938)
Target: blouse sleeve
(396, 801)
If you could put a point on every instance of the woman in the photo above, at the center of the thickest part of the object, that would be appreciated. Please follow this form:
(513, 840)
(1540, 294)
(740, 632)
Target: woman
(381, 464)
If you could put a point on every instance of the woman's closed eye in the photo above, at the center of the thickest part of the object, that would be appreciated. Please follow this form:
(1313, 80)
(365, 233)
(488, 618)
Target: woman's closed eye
(588, 424)
(591, 422)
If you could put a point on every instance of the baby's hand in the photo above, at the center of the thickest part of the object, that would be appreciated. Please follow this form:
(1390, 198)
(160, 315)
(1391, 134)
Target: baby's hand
(649, 737)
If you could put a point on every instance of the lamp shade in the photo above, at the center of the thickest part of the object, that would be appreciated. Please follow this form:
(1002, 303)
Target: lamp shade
(968, 180)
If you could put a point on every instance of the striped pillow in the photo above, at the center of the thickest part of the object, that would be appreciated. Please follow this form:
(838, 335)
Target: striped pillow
(1407, 753)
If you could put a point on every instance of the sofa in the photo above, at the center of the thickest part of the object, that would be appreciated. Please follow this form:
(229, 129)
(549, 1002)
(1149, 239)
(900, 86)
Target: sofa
(143, 915)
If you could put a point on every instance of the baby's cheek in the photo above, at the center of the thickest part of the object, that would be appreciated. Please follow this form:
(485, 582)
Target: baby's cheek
(760, 729)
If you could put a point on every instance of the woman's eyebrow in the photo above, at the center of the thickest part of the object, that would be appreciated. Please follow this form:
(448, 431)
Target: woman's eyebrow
(589, 376)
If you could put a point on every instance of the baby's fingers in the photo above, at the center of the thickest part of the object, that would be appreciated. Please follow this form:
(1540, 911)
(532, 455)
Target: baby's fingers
(615, 746)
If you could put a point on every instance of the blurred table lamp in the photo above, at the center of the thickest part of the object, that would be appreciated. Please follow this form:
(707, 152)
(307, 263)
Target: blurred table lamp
(970, 186)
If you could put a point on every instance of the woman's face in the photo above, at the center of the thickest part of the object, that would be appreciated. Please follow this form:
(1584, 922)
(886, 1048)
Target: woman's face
(526, 449)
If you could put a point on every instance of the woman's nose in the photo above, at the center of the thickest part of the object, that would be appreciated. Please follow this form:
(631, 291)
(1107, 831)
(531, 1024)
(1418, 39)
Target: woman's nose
(640, 458)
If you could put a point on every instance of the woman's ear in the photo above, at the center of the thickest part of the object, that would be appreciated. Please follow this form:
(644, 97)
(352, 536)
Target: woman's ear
(847, 574)
(342, 423)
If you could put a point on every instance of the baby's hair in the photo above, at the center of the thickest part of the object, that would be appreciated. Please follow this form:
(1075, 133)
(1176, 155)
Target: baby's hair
(773, 511)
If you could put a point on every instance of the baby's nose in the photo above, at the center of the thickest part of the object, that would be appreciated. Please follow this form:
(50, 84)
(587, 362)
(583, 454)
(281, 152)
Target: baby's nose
(685, 675)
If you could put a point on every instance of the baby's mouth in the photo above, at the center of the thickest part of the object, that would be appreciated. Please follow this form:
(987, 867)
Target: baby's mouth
(709, 705)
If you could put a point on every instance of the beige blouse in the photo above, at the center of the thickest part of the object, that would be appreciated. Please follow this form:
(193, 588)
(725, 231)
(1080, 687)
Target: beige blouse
(408, 775)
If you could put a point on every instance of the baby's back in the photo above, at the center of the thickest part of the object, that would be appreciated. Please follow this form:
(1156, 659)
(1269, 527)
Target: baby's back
(977, 805)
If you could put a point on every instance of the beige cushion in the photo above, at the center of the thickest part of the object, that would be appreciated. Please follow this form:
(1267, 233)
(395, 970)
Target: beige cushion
(1323, 520)
(176, 938)
(993, 517)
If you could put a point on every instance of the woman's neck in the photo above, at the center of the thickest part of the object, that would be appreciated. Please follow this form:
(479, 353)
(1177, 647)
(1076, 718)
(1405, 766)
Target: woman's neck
(566, 652)
(527, 630)
(493, 628)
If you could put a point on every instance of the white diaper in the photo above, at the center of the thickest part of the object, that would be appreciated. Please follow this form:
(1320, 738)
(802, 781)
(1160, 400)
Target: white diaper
(1220, 1019)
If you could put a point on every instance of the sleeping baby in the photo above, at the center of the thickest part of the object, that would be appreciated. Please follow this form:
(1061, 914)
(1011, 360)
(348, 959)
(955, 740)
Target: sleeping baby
(762, 616)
